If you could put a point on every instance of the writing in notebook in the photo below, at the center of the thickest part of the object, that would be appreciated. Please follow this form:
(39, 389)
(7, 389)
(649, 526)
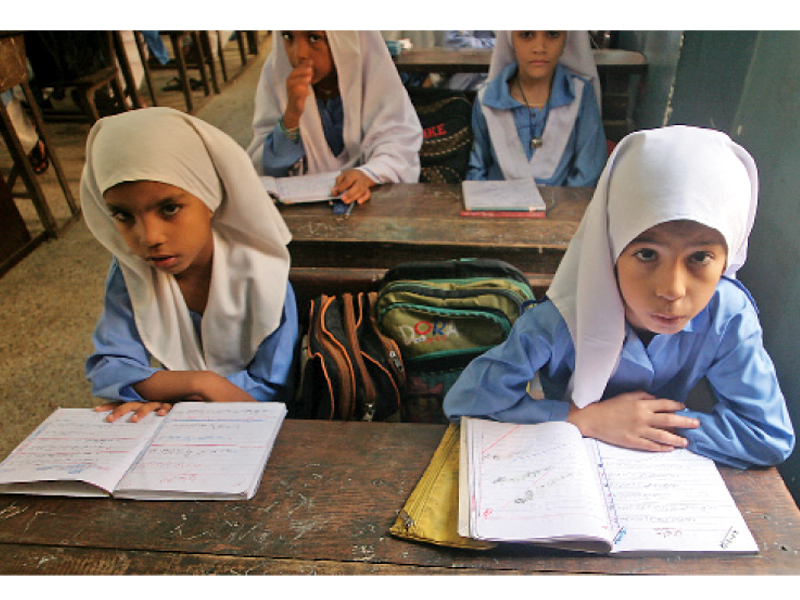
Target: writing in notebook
(511, 195)
(546, 484)
(198, 451)
(301, 189)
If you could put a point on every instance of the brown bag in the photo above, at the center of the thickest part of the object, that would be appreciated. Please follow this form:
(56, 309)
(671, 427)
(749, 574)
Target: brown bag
(351, 370)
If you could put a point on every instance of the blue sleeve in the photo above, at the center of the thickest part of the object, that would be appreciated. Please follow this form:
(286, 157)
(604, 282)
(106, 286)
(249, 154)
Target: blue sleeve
(480, 158)
(591, 151)
(270, 375)
(494, 385)
(120, 358)
(749, 424)
(280, 153)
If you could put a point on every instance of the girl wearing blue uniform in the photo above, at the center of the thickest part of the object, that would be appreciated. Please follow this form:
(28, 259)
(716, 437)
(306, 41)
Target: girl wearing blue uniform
(199, 275)
(333, 101)
(539, 114)
(644, 306)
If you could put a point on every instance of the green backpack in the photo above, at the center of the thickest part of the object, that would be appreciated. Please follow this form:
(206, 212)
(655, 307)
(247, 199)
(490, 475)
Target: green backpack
(442, 314)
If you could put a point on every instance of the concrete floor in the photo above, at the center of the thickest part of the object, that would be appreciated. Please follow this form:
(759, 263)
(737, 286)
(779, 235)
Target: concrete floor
(50, 301)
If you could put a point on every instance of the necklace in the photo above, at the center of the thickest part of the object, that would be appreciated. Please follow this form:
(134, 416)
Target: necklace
(536, 142)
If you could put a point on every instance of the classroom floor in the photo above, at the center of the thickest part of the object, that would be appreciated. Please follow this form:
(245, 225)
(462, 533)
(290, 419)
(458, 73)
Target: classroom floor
(50, 301)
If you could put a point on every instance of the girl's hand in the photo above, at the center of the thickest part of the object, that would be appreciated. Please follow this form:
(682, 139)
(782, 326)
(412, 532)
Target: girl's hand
(177, 386)
(139, 409)
(635, 420)
(354, 186)
(298, 85)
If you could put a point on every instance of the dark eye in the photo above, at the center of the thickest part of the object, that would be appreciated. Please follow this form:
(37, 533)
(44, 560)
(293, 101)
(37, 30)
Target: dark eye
(120, 216)
(315, 37)
(287, 35)
(170, 209)
(553, 35)
(646, 254)
(702, 257)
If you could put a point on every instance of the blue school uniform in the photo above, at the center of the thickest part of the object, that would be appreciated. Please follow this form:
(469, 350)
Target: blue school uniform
(748, 425)
(586, 152)
(281, 153)
(120, 358)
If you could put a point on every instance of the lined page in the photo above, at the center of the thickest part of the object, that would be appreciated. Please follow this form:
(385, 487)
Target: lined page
(533, 483)
(206, 451)
(301, 188)
(74, 447)
(671, 501)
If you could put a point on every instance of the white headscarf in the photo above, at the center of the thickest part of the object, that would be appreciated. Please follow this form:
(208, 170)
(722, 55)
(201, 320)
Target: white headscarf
(381, 126)
(251, 262)
(577, 56)
(651, 177)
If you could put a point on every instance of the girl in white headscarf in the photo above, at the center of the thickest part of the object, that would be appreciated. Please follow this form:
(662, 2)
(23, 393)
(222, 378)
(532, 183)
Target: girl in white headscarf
(199, 275)
(539, 113)
(642, 307)
(333, 101)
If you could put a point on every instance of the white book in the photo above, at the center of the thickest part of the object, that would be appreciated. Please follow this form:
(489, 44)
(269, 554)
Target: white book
(506, 195)
(300, 189)
(198, 451)
(545, 484)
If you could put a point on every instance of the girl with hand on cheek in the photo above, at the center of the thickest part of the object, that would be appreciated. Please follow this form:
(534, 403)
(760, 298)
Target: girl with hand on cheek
(333, 101)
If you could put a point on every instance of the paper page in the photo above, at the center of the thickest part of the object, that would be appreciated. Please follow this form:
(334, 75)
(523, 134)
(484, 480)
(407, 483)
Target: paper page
(303, 188)
(206, 451)
(671, 501)
(74, 447)
(506, 195)
(533, 483)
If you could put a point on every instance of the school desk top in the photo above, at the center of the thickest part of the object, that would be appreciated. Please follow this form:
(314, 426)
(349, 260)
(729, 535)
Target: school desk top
(329, 495)
(419, 221)
(476, 60)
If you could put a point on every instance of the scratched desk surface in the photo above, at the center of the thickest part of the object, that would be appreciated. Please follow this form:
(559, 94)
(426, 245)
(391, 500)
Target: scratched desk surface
(476, 60)
(328, 496)
(404, 222)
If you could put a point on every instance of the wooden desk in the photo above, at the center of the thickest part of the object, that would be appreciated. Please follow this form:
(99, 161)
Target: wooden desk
(328, 496)
(477, 60)
(421, 221)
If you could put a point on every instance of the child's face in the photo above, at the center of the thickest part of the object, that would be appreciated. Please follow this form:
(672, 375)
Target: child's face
(668, 274)
(164, 225)
(309, 47)
(538, 52)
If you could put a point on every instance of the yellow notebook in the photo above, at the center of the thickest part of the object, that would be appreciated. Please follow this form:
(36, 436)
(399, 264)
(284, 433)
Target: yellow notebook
(431, 512)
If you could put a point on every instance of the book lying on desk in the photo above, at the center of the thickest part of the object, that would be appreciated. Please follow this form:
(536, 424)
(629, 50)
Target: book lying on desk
(301, 189)
(507, 198)
(545, 484)
(198, 451)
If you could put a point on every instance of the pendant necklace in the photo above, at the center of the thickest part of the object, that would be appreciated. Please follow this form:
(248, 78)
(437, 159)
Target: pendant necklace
(536, 142)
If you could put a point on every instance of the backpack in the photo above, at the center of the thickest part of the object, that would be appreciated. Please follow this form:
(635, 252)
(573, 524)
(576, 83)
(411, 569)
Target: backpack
(349, 369)
(442, 314)
(445, 116)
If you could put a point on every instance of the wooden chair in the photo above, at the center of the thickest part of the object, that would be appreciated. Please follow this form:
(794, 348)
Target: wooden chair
(13, 72)
(85, 85)
(176, 38)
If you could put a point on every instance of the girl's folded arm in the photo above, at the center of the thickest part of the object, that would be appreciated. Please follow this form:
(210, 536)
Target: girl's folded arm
(749, 425)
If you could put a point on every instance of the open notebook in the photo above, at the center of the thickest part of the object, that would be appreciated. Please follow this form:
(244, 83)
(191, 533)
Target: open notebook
(300, 189)
(198, 451)
(546, 484)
